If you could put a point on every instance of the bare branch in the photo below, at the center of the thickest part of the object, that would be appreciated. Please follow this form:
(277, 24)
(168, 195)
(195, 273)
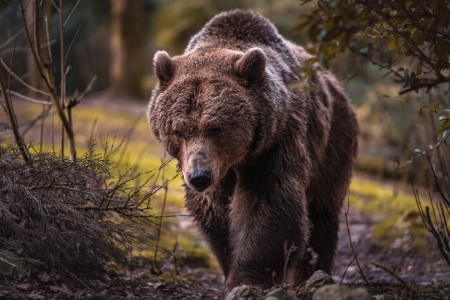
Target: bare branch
(67, 20)
(63, 74)
(11, 115)
(55, 6)
(88, 89)
(52, 92)
(350, 239)
(29, 99)
(23, 82)
(71, 43)
(8, 41)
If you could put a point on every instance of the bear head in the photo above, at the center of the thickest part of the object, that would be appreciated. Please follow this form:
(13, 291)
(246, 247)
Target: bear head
(203, 110)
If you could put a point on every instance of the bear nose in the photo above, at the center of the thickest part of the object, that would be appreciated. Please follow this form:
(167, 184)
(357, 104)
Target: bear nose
(200, 179)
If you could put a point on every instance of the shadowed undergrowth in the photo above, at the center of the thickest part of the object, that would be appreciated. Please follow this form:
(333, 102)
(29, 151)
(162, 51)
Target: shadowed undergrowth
(69, 216)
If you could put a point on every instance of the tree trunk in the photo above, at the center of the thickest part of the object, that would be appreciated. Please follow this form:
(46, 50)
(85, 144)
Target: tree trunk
(127, 41)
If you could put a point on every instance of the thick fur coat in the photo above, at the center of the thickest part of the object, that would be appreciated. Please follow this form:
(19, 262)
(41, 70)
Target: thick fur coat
(266, 166)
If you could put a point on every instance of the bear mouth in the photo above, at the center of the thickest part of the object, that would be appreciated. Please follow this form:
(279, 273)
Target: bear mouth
(199, 190)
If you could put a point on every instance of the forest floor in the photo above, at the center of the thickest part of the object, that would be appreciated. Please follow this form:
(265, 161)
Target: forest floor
(385, 228)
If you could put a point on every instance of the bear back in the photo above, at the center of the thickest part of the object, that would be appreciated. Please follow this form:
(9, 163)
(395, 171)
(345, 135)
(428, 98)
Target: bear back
(242, 30)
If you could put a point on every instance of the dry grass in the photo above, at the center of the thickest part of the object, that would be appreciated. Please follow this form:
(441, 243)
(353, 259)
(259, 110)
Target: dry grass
(70, 216)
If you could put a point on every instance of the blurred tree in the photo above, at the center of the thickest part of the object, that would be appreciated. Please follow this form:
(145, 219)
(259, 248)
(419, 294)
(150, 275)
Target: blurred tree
(177, 21)
(417, 30)
(127, 40)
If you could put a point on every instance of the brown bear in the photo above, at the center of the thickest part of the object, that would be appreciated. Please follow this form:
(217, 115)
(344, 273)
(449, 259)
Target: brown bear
(266, 165)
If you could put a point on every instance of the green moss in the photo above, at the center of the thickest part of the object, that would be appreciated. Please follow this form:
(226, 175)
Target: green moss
(191, 249)
(402, 226)
(373, 197)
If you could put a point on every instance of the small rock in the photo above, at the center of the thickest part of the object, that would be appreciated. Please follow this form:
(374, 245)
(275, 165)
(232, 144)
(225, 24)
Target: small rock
(57, 289)
(36, 296)
(26, 287)
(3, 293)
(319, 278)
(240, 292)
(279, 294)
(378, 297)
(44, 277)
(159, 285)
(341, 292)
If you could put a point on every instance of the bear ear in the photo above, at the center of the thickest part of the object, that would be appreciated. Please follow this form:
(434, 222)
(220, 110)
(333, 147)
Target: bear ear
(251, 65)
(164, 67)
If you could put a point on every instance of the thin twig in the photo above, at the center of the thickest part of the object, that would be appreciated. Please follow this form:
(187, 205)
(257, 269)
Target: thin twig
(63, 74)
(53, 123)
(343, 275)
(13, 37)
(55, 6)
(350, 239)
(160, 220)
(30, 99)
(175, 252)
(41, 139)
(7, 262)
(87, 90)
(409, 291)
(128, 136)
(67, 20)
(71, 43)
(32, 122)
(91, 137)
(12, 118)
(23, 82)
(37, 40)
(52, 92)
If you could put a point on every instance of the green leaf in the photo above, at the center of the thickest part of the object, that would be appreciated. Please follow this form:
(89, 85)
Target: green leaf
(392, 45)
(436, 106)
(443, 128)
(419, 69)
(311, 51)
(386, 96)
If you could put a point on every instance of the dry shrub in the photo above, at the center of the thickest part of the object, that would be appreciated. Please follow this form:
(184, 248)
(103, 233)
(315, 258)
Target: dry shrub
(70, 216)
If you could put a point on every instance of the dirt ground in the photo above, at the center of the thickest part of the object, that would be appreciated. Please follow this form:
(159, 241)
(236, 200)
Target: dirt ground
(415, 266)
(206, 284)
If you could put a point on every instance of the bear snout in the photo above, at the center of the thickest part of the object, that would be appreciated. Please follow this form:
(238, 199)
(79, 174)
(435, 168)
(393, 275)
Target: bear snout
(200, 180)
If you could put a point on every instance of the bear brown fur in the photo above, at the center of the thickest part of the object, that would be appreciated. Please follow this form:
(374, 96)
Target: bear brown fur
(267, 166)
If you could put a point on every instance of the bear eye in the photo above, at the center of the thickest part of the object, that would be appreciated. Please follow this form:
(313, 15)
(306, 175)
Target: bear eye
(216, 132)
(178, 135)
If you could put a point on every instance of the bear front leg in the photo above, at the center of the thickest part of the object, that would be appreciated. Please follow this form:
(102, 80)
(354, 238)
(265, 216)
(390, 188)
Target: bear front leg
(323, 241)
(261, 223)
(211, 216)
